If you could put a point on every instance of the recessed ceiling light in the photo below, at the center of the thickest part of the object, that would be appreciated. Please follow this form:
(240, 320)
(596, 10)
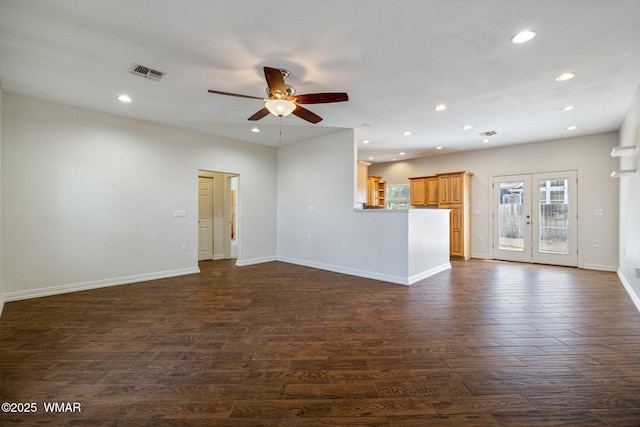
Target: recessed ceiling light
(565, 76)
(467, 127)
(569, 108)
(406, 133)
(402, 153)
(523, 36)
(394, 159)
(440, 107)
(573, 127)
(366, 141)
(370, 158)
(255, 130)
(439, 148)
(124, 98)
(485, 140)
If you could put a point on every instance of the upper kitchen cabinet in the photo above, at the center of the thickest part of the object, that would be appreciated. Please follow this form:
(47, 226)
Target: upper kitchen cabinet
(424, 191)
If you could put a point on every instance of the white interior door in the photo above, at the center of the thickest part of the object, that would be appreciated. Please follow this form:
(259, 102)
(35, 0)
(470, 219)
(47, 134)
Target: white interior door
(205, 218)
(535, 218)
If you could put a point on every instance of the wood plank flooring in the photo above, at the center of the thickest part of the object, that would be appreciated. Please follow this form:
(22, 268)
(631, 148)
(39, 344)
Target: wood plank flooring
(484, 344)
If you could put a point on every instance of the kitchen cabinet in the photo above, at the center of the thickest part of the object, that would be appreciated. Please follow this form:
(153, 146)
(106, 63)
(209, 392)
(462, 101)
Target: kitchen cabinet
(454, 193)
(432, 191)
(363, 173)
(375, 192)
(424, 191)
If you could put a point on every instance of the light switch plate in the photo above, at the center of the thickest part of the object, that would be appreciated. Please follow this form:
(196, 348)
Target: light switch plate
(180, 212)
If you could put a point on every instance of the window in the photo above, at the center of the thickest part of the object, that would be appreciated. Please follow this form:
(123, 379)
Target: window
(554, 191)
(398, 197)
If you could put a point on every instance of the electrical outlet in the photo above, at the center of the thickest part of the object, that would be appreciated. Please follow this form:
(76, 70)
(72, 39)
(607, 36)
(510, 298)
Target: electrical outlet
(184, 247)
(596, 243)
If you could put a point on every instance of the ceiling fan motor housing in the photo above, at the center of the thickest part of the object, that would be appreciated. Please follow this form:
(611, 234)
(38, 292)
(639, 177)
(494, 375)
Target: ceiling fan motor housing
(277, 95)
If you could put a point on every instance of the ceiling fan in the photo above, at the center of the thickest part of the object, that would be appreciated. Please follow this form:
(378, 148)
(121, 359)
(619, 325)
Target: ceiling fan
(281, 98)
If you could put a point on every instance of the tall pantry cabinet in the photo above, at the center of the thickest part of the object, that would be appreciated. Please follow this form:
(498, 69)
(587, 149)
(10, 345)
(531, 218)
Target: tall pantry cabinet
(454, 192)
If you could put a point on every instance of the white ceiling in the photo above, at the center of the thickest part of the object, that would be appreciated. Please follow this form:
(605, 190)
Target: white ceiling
(396, 60)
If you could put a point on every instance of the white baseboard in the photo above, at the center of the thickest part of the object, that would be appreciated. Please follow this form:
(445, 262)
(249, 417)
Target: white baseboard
(600, 267)
(252, 261)
(627, 286)
(1, 304)
(75, 287)
(429, 273)
(481, 256)
(399, 280)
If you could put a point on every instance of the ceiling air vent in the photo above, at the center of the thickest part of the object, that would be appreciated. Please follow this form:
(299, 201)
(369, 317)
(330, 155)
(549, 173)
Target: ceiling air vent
(146, 72)
(488, 133)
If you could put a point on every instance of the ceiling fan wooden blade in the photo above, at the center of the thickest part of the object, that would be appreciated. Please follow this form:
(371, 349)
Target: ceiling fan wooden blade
(234, 94)
(320, 98)
(275, 81)
(260, 114)
(307, 115)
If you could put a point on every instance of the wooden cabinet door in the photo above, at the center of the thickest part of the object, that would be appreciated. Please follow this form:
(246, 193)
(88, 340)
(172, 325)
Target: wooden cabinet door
(432, 191)
(456, 189)
(444, 190)
(457, 231)
(418, 192)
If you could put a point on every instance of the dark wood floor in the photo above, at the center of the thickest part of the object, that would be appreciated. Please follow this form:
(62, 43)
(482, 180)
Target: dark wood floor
(485, 344)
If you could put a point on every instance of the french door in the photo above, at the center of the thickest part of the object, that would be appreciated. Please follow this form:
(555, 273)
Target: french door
(535, 218)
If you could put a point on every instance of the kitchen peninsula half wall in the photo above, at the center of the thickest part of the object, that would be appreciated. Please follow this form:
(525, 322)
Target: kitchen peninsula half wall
(401, 246)
(424, 233)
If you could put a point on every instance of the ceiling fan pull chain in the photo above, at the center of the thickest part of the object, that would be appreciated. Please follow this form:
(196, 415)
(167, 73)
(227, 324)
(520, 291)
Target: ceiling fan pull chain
(280, 117)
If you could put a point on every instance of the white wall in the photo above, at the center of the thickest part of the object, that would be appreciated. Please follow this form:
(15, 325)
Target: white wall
(317, 224)
(1, 257)
(589, 155)
(88, 199)
(630, 203)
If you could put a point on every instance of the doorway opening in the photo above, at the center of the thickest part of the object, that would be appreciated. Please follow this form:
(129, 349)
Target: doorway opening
(218, 225)
(535, 218)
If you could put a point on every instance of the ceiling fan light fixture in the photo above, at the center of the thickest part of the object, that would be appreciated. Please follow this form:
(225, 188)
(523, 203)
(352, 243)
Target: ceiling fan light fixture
(280, 107)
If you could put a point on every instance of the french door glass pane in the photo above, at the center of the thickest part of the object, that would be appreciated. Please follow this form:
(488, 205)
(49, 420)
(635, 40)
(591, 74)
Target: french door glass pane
(554, 218)
(511, 216)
